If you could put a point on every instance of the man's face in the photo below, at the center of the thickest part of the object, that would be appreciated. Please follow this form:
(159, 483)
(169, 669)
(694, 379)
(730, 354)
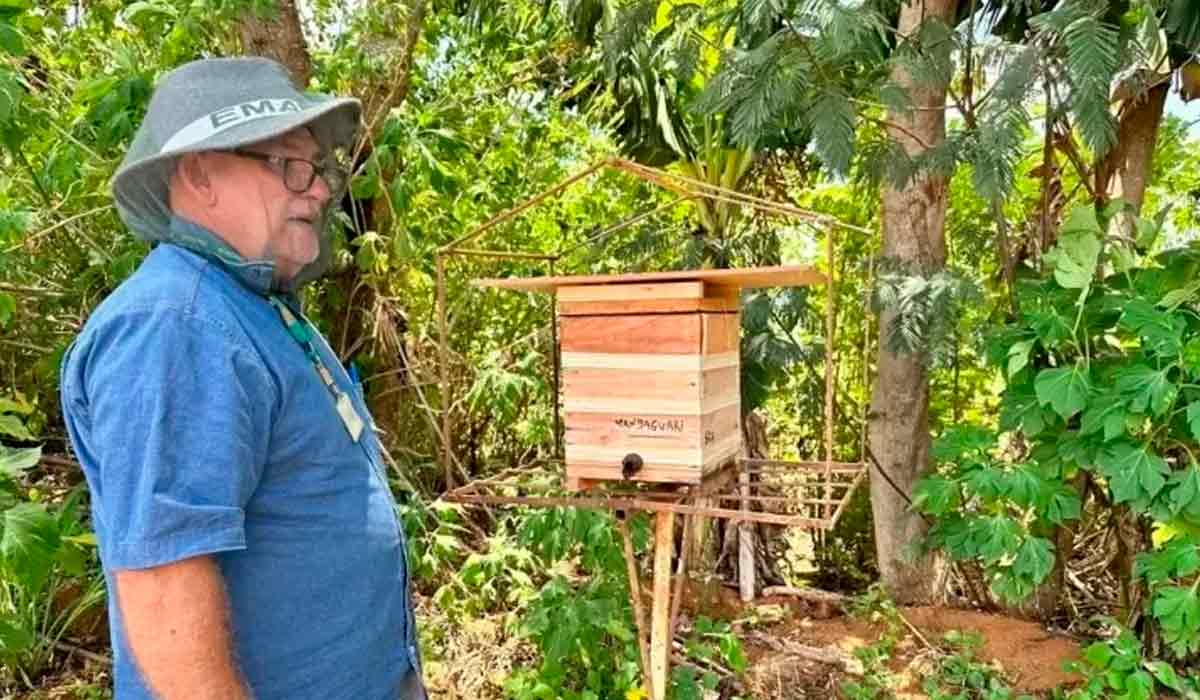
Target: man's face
(270, 220)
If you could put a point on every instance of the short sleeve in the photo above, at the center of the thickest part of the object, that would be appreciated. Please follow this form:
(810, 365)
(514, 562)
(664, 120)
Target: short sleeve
(179, 420)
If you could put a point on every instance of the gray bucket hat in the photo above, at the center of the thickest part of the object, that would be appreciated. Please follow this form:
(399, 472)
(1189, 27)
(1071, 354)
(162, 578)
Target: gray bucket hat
(219, 104)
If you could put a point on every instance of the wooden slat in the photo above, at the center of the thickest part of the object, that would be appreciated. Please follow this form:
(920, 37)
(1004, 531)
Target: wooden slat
(586, 384)
(636, 433)
(689, 458)
(716, 424)
(631, 292)
(671, 334)
(688, 407)
(646, 306)
(779, 276)
(721, 333)
(639, 361)
(650, 472)
(720, 382)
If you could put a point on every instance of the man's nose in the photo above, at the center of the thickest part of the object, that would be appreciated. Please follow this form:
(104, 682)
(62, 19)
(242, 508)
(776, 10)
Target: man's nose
(319, 190)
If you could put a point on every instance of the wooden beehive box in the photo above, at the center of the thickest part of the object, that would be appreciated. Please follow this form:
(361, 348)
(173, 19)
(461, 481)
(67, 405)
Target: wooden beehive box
(650, 370)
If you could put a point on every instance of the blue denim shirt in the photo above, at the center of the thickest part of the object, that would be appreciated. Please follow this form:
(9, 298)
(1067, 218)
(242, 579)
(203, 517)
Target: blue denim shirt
(203, 429)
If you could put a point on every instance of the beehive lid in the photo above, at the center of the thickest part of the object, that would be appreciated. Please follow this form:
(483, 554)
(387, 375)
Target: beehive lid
(748, 277)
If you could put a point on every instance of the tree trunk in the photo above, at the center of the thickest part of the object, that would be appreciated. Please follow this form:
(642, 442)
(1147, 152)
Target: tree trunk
(372, 322)
(914, 236)
(1125, 172)
(280, 37)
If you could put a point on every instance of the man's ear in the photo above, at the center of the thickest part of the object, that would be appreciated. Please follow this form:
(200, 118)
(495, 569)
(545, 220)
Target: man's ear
(194, 173)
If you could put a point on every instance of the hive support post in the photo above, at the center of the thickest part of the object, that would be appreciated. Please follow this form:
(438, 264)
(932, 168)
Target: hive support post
(745, 536)
(639, 613)
(660, 627)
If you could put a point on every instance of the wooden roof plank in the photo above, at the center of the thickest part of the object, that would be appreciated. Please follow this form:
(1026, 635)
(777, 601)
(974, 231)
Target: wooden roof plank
(750, 277)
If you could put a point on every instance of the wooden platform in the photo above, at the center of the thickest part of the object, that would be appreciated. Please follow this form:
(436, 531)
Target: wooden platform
(789, 494)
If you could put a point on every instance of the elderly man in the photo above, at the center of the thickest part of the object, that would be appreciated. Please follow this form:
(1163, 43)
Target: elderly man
(248, 535)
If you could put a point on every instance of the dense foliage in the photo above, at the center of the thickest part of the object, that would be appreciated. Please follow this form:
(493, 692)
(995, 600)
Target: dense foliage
(1061, 338)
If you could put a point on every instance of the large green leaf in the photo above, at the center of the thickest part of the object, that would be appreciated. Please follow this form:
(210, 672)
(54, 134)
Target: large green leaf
(14, 427)
(14, 461)
(997, 537)
(1106, 412)
(1178, 610)
(936, 495)
(1146, 387)
(1161, 331)
(1185, 496)
(1134, 473)
(15, 637)
(1034, 559)
(1018, 356)
(1075, 259)
(29, 545)
(1065, 389)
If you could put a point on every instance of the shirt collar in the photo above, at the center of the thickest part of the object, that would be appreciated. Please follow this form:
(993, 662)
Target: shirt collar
(258, 275)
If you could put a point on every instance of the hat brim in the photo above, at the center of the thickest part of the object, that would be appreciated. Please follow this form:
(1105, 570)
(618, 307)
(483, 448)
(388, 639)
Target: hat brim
(140, 188)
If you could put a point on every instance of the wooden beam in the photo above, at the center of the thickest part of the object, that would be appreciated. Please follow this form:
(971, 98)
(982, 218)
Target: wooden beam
(693, 289)
(660, 627)
(781, 276)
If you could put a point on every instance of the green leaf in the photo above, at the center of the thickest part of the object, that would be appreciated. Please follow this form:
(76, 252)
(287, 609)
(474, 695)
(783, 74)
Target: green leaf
(962, 441)
(1075, 258)
(15, 637)
(1178, 558)
(1107, 413)
(1193, 418)
(1147, 387)
(13, 426)
(832, 119)
(997, 537)
(29, 544)
(1018, 356)
(1139, 686)
(1134, 473)
(1065, 389)
(1093, 55)
(1019, 408)
(11, 94)
(1098, 654)
(1178, 610)
(1063, 504)
(8, 307)
(1165, 674)
(1082, 220)
(1034, 559)
(936, 495)
(1161, 331)
(14, 461)
(10, 40)
(1185, 496)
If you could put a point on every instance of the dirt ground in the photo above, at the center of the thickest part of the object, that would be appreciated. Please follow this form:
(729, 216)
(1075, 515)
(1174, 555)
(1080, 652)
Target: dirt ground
(1030, 656)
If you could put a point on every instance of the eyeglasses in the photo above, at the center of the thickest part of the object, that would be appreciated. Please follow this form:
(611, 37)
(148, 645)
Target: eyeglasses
(299, 173)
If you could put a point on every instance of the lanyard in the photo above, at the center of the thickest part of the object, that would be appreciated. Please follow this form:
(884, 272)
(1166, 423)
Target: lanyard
(302, 334)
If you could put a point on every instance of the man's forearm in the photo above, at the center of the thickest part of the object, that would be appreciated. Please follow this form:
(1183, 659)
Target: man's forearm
(176, 621)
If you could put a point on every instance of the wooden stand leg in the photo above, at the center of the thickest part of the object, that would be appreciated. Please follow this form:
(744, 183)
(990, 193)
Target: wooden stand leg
(746, 563)
(660, 628)
(639, 614)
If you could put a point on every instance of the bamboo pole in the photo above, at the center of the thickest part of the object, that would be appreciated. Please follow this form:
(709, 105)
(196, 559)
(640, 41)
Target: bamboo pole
(745, 541)
(639, 611)
(826, 511)
(660, 630)
(444, 361)
(556, 355)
